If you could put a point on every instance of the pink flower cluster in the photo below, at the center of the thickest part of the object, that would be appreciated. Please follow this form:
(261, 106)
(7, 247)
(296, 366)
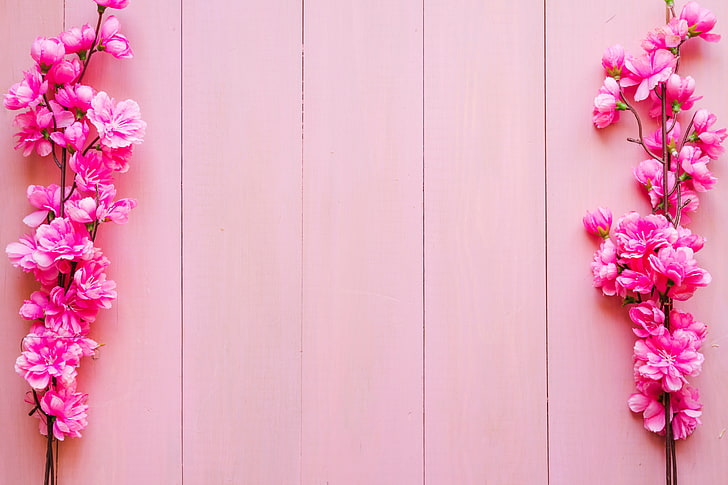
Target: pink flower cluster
(649, 261)
(89, 137)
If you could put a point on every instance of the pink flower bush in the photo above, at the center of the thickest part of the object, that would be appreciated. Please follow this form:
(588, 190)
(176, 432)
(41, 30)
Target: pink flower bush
(649, 261)
(88, 137)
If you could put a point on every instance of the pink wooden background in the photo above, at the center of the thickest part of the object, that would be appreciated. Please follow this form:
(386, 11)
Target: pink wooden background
(358, 256)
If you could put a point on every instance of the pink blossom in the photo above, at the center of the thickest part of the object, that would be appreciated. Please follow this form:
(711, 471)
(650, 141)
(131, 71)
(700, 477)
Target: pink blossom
(47, 51)
(111, 41)
(635, 280)
(613, 61)
(637, 237)
(59, 241)
(82, 210)
(65, 313)
(604, 268)
(92, 286)
(666, 37)
(91, 171)
(649, 174)
(686, 411)
(64, 72)
(78, 39)
(649, 319)
(598, 222)
(119, 125)
(687, 239)
(695, 329)
(77, 97)
(112, 3)
(607, 104)
(46, 199)
(35, 126)
(73, 137)
(700, 21)
(708, 140)
(69, 409)
(676, 273)
(679, 93)
(34, 309)
(648, 70)
(117, 158)
(647, 401)
(28, 93)
(667, 359)
(696, 167)
(44, 358)
(654, 140)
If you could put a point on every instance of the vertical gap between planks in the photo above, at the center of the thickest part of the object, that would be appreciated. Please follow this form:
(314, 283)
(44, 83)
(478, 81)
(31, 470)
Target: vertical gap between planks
(424, 264)
(546, 243)
(301, 261)
(181, 243)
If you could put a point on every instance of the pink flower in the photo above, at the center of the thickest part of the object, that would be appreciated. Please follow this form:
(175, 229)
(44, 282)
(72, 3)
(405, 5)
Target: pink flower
(46, 199)
(646, 71)
(28, 93)
(117, 158)
(637, 237)
(654, 140)
(112, 3)
(66, 314)
(60, 241)
(667, 359)
(69, 409)
(35, 126)
(649, 174)
(73, 137)
(687, 239)
(700, 21)
(649, 319)
(78, 39)
(666, 37)
(604, 268)
(679, 92)
(119, 125)
(91, 171)
(92, 286)
(111, 41)
(607, 104)
(47, 51)
(77, 97)
(686, 411)
(708, 140)
(684, 321)
(696, 166)
(613, 61)
(82, 210)
(44, 358)
(635, 280)
(676, 272)
(64, 72)
(598, 222)
(34, 309)
(647, 401)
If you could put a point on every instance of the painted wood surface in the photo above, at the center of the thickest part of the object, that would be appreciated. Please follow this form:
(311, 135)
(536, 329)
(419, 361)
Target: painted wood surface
(485, 352)
(358, 255)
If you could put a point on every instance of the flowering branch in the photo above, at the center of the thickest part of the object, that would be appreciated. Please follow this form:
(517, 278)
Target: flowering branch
(60, 114)
(648, 261)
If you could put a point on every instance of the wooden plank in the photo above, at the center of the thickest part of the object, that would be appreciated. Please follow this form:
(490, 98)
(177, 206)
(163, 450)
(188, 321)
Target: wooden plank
(485, 405)
(134, 433)
(594, 438)
(362, 324)
(22, 453)
(242, 242)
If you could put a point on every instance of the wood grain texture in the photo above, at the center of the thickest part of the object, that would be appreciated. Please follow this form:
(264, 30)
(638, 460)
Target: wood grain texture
(23, 449)
(594, 438)
(362, 325)
(485, 300)
(242, 242)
